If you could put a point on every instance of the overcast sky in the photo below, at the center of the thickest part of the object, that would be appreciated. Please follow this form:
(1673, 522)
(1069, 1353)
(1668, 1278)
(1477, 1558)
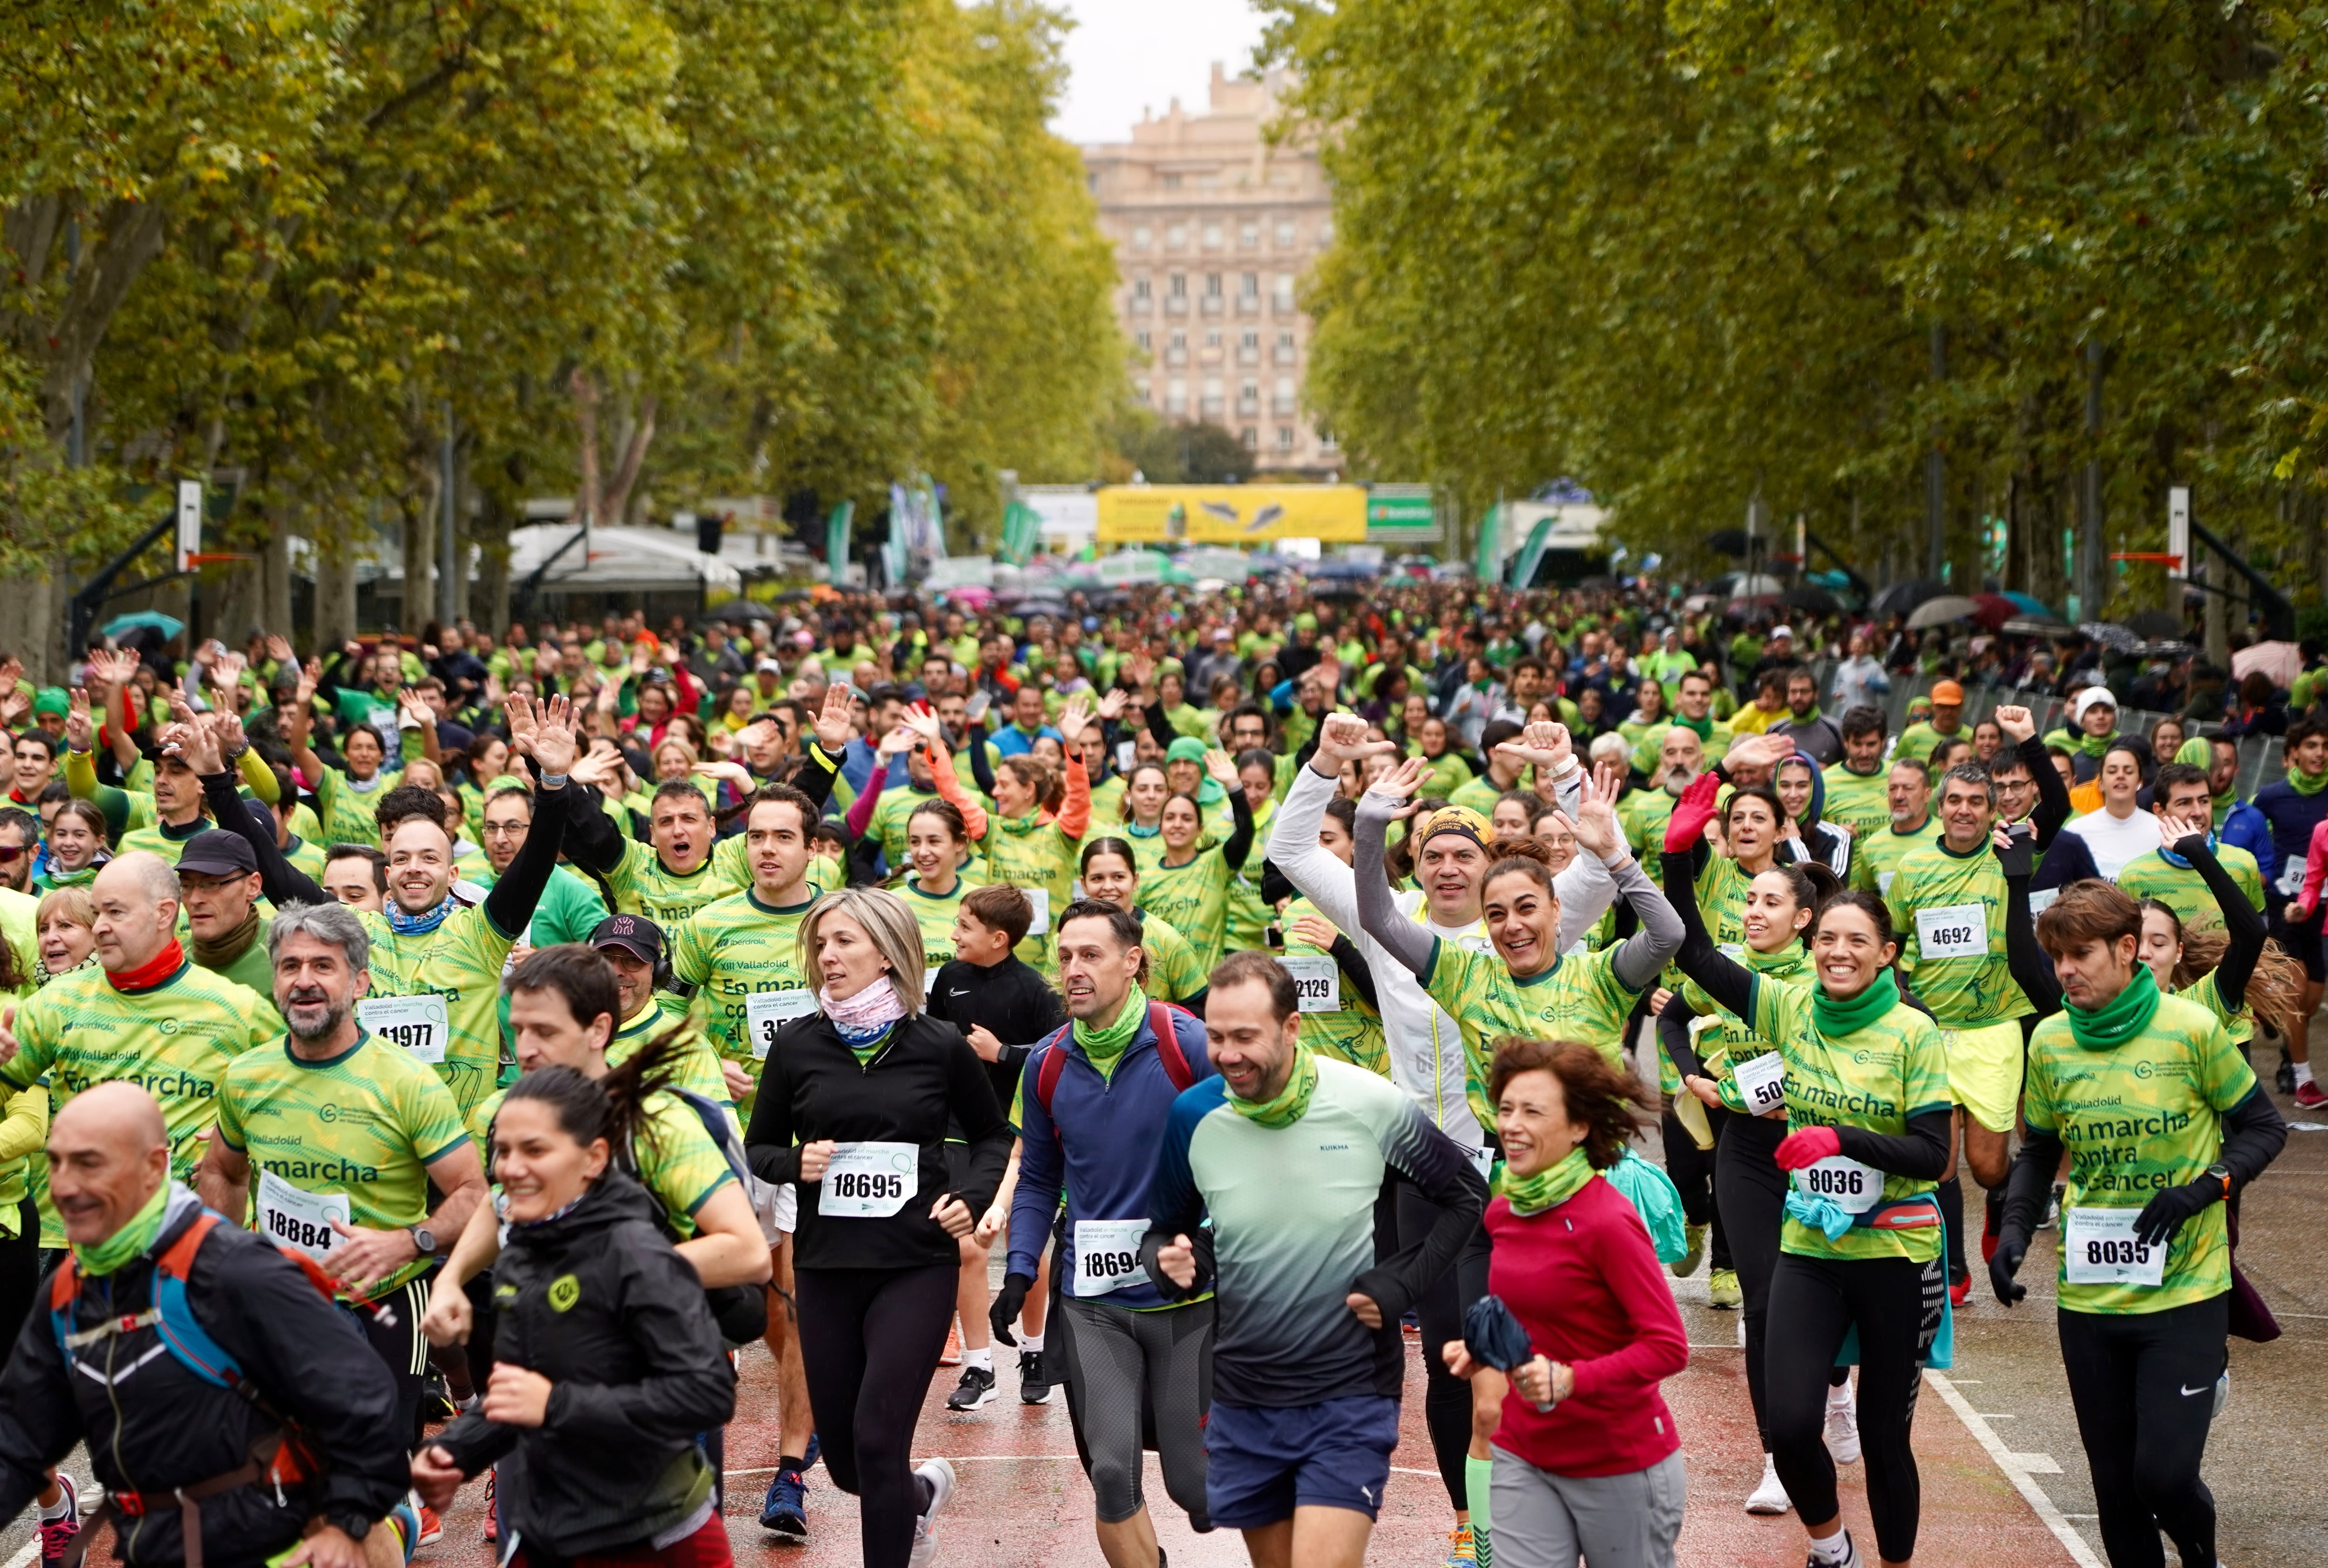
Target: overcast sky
(1127, 53)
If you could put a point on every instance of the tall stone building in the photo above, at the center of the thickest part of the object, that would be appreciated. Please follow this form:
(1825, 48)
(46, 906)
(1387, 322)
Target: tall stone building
(1213, 229)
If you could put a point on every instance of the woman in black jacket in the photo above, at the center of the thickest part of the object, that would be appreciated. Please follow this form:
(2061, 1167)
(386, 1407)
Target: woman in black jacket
(607, 1360)
(855, 1105)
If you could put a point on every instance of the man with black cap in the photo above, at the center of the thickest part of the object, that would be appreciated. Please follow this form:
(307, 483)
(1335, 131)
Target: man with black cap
(633, 944)
(218, 878)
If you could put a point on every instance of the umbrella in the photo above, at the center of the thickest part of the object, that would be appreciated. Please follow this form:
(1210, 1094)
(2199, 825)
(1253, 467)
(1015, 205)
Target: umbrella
(2156, 625)
(1027, 609)
(1343, 570)
(144, 620)
(2031, 627)
(739, 610)
(2283, 662)
(1994, 610)
(2117, 638)
(1747, 584)
(1941, 611)
(2036, 607)
(1901, 597)
(969, 596)
(1807, 596)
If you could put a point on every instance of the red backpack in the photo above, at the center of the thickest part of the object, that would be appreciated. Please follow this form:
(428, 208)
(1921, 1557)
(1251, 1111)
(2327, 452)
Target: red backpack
(1167, 1051)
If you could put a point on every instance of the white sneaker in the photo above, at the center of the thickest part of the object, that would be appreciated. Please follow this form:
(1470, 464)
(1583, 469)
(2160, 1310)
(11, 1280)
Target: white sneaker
(1769, 1497)
(1842, 1426)
(939, 1473)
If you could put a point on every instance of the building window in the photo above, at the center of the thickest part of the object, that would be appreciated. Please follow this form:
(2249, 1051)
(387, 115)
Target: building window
(1212, 337)
(1140, 288)
(1248, 238)
(1145, 340)
(1325, 442)
(1177, 285)
(1212, 237)
(1249, 283)
(1090, 184)
(1171, 182)
(1326, 233)
(1248, 398)
(1142, 237)
(1176, 397)
(1285, 291)
(1284, 234)
(1179, 339)
(1176, 235)
(1213, 285)
(1251, 438)
(1214, 404)
(1285, 437)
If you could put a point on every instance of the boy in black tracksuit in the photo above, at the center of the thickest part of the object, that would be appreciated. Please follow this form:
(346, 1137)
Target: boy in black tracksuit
(1006, 1008)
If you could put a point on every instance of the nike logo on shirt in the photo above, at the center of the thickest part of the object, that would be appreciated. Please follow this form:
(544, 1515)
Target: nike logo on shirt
(957, 993)
(2187, 1392)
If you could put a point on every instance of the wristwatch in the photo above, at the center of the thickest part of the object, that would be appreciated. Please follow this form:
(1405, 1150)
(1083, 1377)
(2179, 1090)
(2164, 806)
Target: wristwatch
(2220, 1172)
(423, 1238)
(354, 1524)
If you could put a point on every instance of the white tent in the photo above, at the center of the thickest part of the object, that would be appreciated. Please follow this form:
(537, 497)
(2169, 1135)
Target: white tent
(642, 559)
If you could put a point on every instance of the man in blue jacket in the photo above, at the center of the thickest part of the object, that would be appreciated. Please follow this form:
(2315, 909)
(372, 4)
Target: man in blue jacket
(2294, 807)
(1095, 1097)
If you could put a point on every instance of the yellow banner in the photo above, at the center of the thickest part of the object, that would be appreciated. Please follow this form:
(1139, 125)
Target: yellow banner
(1231, 514)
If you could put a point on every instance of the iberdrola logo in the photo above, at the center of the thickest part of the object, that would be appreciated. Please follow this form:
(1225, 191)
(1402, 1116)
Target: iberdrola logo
(564, 1292)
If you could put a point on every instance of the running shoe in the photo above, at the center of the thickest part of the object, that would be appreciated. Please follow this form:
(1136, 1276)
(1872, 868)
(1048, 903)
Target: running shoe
(1769, 1497)
(1850, 1558)
(2309, 1096)
(1959, 1292)
(493, 1508)
(432, 1528)
(1842, 1426)
(1688, 1264)
(1459, 1550)
(952, 1355)
(939, 1473)
(57, 1534)
(2222, 1394)
(1722, 1290)
(405, 1520)
(2285, 1078)
(1035, 1384)
(786, 1512)
(976, 1387)
(2052, 1209)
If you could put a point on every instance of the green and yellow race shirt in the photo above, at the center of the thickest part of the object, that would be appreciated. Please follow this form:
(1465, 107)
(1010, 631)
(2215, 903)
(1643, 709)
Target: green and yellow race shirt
(1714, 740)
(1721, 1037)
(1174, 972)
(1643, 815)
(1875, 857)
(1577, 999)
(643, 884)
(2136, 1120)
(306, 857)
(462, 962)
(934, 913)
(1028, 853)
(1193, 898)
(675, 1158)
(345, 805)
(1949, 910)
(174, 1041)
(2208, 992)
(362, 1127)
(736, 949)
(1859, 802)
(1876, 1077)
(890, 817)
(1353, 1033)
(1107, 805)
(1249, 917)
(695, 1066)
(2150, 874)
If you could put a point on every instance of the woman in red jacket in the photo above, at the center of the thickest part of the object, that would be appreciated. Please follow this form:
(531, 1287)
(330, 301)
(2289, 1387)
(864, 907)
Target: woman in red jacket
(1587, 1463)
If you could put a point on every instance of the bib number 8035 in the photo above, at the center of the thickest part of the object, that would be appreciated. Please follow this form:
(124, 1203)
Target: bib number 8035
(2099, 1248)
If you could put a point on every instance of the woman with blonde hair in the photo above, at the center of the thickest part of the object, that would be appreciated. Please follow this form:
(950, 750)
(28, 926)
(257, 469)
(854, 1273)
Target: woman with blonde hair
(65, 926)
(855, 1105)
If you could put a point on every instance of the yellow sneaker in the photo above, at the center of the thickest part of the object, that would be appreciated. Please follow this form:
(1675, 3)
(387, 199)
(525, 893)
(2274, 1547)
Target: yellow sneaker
(1687, 1265)
(1722, 1287)
(1459, 1553)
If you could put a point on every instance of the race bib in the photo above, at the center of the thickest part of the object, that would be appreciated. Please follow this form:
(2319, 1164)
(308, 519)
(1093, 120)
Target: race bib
(1850, 1185)
(1107, 1256)
(1883, 882)
(418, 1023)
(766, 1011)
(1735, 952)
(2040, 902)
(1317, 981)
(1483, 1160)
(1040, 898)
(2099, 1247)
(291, 1218)
(2291, 879)
(1953, 930)
(1761, 1080)
(870, 1180)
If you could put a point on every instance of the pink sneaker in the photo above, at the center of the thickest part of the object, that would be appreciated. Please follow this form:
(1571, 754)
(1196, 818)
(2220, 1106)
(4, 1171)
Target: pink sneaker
(57, 1534)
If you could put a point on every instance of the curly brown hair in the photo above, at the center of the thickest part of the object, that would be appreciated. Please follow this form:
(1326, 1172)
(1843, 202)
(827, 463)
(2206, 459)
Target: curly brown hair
(1610, 1102)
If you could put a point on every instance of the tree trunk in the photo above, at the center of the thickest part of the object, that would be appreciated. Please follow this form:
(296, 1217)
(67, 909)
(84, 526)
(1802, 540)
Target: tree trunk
(274, 574)
(32, 623)
(587, 492)
(335, 584)
(617, 501)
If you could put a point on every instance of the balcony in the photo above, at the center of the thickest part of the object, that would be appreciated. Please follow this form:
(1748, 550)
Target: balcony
(1176, 304)
(1214, 407)
(1284, 354)
(1282, 406)
(1282, 304)
(1213, 303)
(1176, 356)
(1142, 304)
(1248, 408)
(1248, 304)
(1247, 355)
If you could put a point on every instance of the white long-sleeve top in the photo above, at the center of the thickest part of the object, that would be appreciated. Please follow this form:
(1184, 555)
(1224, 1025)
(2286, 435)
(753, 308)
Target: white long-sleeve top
(1425, 1042)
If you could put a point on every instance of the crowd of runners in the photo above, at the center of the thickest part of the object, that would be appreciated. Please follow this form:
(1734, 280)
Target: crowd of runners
(425, 1062)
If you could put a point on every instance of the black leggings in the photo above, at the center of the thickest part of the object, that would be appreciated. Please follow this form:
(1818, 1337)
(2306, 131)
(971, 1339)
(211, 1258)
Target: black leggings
(870, 1340)
(20, 1269)
(1438, 1311)
(2144, 1386)
(1895, 1302)
(1749, 1195)
(1692, 1170)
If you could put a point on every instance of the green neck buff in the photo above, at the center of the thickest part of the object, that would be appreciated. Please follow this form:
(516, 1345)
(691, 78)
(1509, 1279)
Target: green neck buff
(1789, 960)
(2119, 1020)
(1105, 1045)
(128, 1243)
(1849, 1016)
(2306, 783)
(1555, 1184)
(2093, 745)
(1702, 727)
(1285, 1107)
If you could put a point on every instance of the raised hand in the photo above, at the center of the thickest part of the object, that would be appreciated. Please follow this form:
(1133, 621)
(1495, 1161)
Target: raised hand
(1401, 783)
(836, 721)
(517, 712)
(1342, 737)
(279, 650)
(1075, 719)
(1758, 751)
(1222, 770)
(1112, 705)
(2016, 723)
(1692, 813)
(597, 769)
(924, 722)
(1316, 930)
(1595, 823)
(80, 733)
(557, 737)
(1141, 669)
(898, 742)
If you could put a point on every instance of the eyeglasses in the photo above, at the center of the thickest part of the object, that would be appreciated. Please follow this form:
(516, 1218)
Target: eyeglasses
(13, 851)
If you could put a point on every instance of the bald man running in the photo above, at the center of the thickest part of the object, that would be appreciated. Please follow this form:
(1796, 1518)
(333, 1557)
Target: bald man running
(178, 1452)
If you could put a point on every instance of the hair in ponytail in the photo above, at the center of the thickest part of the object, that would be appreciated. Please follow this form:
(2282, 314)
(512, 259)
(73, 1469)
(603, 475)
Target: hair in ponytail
(614, 1107)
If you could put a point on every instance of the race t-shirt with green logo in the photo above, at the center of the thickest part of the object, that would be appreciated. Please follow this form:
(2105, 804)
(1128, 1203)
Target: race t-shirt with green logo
(174, 1041)
(1193, 898)
(461, 961)
(306, 857)
(1876, 1078)
(1174, 972)
(1723, 1039)
(1859, 802)
(1033, 853)
(24, 1136)
(1949, 912)
(1577, 999)
(2137, 1118)
(2181, 889)
(1248, 918)
(643, 884)
(695, 1066)
(934, 913)
(1876, 857)
(363, 1125)
(731, 951)
(1353, 1033)
(1643, 814)
(345, 806)
(676, 1160)
(890, 818)
(2208, 992)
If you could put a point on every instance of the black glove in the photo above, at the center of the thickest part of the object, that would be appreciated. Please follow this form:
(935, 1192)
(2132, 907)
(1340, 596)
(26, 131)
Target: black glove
(1007, 1302)
(2019, 856)
(2163, 1216)
(2011, 1247)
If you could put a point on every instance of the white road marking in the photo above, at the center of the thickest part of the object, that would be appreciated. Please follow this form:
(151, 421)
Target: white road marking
(2017, 1469)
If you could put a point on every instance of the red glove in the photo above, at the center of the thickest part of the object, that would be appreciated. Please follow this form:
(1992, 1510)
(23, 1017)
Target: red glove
(1809, 1147)
(1691, 812)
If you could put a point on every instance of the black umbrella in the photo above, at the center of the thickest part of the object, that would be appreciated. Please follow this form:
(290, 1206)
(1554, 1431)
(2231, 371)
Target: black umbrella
(1027, 609)
(739, 610)
(1899, 598)
(1812, 597)
(2117, 638)
(2158, 626)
